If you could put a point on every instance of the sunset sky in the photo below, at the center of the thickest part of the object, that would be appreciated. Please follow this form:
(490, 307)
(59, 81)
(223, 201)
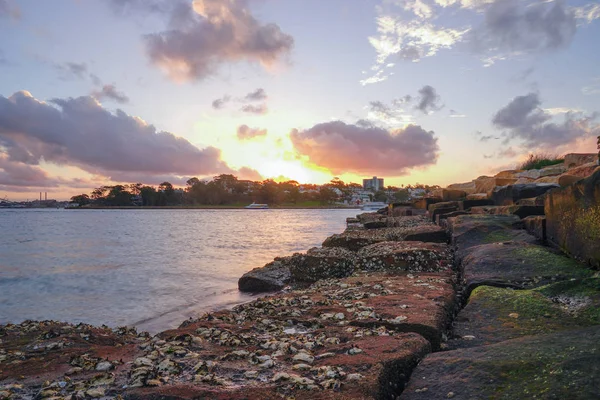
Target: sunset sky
(98, 92)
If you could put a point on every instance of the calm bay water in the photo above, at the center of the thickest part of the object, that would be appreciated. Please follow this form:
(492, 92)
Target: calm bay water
(148, 268)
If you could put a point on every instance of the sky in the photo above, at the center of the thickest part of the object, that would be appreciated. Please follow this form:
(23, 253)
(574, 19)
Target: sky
(101, 92)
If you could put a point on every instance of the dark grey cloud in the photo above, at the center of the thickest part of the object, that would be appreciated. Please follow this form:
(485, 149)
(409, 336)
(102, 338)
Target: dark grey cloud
(244, 132)
(523, 119)
(110, 92)
(128, 7)
(428, 100)
(409, 53)
(257, 95)
(259, 109)
(80, 132)
(72, 70)
(210, 33)
(217, 104)
(342, 148)
(16, 176)
(512, 26)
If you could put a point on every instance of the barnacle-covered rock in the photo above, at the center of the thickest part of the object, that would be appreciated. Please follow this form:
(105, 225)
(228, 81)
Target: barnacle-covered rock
(404, 256)
(322, 263)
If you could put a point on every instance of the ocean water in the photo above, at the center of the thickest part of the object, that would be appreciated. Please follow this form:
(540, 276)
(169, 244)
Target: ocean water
(148, 268)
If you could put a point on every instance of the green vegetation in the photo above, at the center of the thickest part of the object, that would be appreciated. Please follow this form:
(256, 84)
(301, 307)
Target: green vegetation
(223, 191)
(539, 161)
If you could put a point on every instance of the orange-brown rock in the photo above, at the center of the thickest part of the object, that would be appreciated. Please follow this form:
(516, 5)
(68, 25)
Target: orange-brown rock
(566, 179)
(573, 160)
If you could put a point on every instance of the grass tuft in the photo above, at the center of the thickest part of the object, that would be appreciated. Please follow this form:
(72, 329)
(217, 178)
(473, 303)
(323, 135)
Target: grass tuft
(539, 161)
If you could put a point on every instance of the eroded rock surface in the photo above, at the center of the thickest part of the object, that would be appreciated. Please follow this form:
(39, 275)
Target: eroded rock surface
(564, 365)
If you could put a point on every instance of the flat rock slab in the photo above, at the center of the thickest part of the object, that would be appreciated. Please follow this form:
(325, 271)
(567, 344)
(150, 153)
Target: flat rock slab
(322, 263)
(355, 240)
(518, 265)
(272, 277)
(404, 256)
(360, 364)
(473, 230)
(495, 314)
(564, 365)
(422, 303)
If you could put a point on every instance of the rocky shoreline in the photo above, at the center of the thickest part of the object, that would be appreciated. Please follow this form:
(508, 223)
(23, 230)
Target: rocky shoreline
(455, 300)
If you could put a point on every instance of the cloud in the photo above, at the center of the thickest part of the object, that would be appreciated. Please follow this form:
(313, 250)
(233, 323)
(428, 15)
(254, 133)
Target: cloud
(510, 27)
(594, 88)
(258, 95)
(411, 30)
(523, 119)
(389, 114)
(72, 70)
(366, 149)
(110, 92)
(220, 103)
(7, 11)
(80, 132)
(259, 109)
(244, 132)
(587, 13)
(212, 33)
(456, 114)
(127, 7)
(405, 31)
(249, 174)
(428, 100)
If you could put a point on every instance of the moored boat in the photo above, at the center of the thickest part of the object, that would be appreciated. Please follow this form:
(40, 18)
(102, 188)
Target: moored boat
(255, 206)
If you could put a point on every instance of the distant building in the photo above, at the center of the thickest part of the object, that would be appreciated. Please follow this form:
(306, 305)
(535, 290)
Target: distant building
(374, 184)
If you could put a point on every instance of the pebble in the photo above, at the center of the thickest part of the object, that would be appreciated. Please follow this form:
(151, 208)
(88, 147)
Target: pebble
(95, 392)
(104, 366)
(304, 357)
(251, 374)
(354, 350)
(301, 367)
(267, 364)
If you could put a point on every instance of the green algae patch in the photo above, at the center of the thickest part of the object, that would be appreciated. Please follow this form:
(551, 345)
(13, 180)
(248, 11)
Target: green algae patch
(518, 265)
(580, 298)
(524, 312)
(563, 365)
(551, 263)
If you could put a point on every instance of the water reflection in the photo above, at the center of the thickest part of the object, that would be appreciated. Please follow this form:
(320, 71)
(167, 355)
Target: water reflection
(153, 268)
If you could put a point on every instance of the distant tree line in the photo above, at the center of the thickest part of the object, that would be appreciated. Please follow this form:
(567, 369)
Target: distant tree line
(227, 189)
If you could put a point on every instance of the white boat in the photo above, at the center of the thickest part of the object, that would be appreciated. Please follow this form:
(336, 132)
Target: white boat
(373, 206)
(255, 206)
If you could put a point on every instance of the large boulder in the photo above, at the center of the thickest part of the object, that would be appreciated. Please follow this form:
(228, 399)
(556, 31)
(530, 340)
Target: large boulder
(322, 263)
(467, 187)
(576, 159)
(573, 219)
(511, 194)
(485, 184)
(585, 170)
(355, 240)
(272, 277)
(473, 230)
(566, 179)
(518, 265)
(404, 256)
(453, 194)
(495, 314)
(563, 365)
(536, 226)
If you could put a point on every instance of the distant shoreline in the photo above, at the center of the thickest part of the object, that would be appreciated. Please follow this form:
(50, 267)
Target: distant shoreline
(286, 207)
